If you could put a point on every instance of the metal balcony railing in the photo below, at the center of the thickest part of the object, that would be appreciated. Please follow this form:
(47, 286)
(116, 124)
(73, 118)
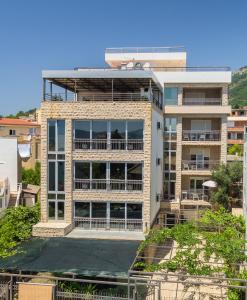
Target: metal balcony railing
(199, 165)
(201, 135)
(108, 144)
(108, 185)
(202, 101)
(109, 223)
(195, 194)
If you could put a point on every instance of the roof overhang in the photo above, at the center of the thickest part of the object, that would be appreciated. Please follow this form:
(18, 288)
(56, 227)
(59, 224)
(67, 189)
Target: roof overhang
(102, 79)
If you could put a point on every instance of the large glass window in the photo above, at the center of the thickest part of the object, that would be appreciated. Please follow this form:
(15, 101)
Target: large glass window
(117, 171)
(56, 210)
(82, 129)
(98, 170)
(60, 175)
(134, 211)
(171, 96)
(60, 135)
(135, 130)
(134, 171)
(56, 135)
(82, 170)
(51, 135)
(98, 210)
(99, 130)
(117, 210)
(82, 209)
(118, 130)
(60, 210)
(52, 176)
(52, 210)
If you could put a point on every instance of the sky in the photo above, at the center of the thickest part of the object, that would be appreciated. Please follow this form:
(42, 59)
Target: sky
(60, 34)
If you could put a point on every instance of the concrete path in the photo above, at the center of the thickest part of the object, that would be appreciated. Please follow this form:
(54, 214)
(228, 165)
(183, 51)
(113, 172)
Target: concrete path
(106, 235)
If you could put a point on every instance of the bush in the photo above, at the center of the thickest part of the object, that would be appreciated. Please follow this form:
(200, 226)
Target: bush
(16, 226)
(31, 176)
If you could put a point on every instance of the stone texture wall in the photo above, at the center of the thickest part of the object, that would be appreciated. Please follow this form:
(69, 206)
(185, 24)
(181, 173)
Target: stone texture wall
(96, 111)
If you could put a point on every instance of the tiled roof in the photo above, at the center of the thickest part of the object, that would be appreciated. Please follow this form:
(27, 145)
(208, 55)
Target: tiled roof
(21, 122)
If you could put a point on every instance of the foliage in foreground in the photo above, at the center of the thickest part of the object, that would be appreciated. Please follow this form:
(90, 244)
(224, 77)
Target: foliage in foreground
(31, 176)
(16, 227)
(236, 149)
(228, 178)
(217, 236)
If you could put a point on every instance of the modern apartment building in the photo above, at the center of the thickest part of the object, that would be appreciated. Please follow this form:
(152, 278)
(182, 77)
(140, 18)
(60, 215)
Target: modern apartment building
(236, 123)
(118, 141)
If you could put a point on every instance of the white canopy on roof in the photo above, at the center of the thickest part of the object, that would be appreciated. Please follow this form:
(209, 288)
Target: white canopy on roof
(210, 183)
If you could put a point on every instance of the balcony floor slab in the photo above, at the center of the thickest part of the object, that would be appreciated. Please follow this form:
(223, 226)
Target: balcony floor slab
(80, 233)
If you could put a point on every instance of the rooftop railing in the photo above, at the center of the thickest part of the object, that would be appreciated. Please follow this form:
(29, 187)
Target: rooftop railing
(199, 165)
(146, 49)
(201, 135)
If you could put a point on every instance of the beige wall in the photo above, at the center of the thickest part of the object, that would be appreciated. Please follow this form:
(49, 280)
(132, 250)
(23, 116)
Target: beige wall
(97, 110)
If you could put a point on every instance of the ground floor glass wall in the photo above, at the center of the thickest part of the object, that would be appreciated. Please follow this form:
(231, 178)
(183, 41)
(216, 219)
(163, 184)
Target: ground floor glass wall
(108, 215)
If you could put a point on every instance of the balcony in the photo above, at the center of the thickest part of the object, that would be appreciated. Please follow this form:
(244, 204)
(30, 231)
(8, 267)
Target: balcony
(198, 194)
(109, 223)
(201, 101)
(201, 135)
(105, 144)
(197, 165)
(108, 185)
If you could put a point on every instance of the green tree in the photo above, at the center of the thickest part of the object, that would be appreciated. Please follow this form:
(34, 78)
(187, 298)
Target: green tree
(31, 176)
(16, 226)
(236, 149)
(228, 178)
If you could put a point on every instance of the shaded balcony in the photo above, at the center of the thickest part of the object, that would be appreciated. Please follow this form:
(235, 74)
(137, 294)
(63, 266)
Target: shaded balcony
(202, 96)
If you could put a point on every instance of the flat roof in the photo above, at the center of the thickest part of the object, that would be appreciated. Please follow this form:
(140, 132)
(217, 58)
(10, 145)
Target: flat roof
(101, 79)
(88, 257)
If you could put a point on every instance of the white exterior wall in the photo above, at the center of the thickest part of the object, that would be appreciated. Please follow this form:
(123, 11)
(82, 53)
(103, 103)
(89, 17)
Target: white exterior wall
(193, 77)
(156, 171)
(9, 161)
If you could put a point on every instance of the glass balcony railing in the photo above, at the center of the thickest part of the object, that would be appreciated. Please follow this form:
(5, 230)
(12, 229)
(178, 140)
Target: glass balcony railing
(108, 144)
(201, 101)
(201, 135)
(199, 165)
(108, 185)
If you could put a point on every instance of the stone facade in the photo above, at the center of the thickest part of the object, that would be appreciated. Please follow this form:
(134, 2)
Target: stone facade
(107, 110)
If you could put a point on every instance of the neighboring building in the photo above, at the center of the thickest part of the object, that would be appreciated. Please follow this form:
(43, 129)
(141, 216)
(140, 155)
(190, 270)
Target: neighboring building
(10, 172)
(245, 177)
(236, 123)
(103, 160)
(28, 135)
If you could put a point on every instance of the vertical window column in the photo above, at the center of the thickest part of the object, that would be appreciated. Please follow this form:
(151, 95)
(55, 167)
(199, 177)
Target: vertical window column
(56, 169)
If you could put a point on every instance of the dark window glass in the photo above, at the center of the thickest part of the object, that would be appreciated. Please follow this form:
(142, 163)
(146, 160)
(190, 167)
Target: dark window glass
(60, 135)
(82, 170)
(99, 130)
(52, 185)
(82, 209)
(52, 135)
(134, 211)
(134, 171)
(135, 130)
(173, 176)
(51, 209)
(166, 146)
(51, 156)
(98, 210)
(61, 156)
(82, 129)
(60, 210)
(60, 175)
(117, 171)
(117, 210)
(171, 96)
(98, 170)
(118, 129)
(60, 196)
(51, 196)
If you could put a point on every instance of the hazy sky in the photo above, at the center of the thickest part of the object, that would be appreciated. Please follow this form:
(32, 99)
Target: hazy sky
(42, 34)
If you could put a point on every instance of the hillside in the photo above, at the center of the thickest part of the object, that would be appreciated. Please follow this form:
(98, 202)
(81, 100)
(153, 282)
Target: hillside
(238, 88)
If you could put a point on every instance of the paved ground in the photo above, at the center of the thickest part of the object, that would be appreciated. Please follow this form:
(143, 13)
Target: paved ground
(106, 235)
(89, 257)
